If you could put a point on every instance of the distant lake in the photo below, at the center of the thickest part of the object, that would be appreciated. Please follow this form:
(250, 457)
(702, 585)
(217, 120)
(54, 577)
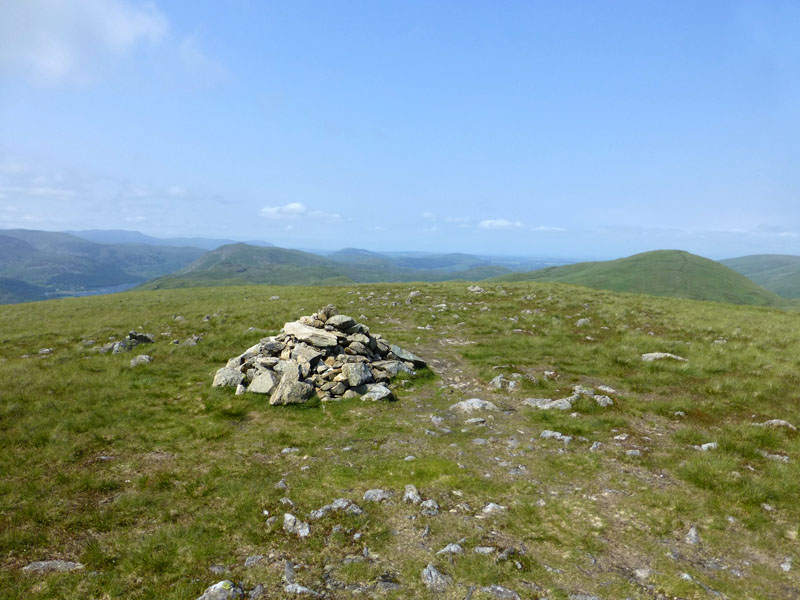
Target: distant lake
(93, 292)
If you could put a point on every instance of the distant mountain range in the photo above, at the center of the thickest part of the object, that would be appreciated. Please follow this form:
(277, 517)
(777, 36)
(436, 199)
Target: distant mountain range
(36, 265)
(660, 273)
(123, 236)
(245, 264)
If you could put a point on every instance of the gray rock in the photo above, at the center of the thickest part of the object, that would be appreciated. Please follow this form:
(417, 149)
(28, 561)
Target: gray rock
(393, 367)
(340, 504)
(582, 322)
(291, 390)
(603, 401)
(142, 359)
(498, 591)
(264, 383)
(132, 340)
(305, 352)
(583, 597)
(226, 377)
(651, 356)
(412, 495)
(300, 590)
(548, 434)
(377, 391)
(257, 592)
(485, 550)
(475, 289)
(316, 337)
(692, 537)
(341, 322)
(434, 580)
(253, 560)
(240, 389)
(473, 404)
(292, 524)
(430, 508)
(52, 566)
(451, 549)
(356, 373)
(777, 423)
(493, 509)
(548, 404)
(407, 356)
(377, 495)
(223, 590)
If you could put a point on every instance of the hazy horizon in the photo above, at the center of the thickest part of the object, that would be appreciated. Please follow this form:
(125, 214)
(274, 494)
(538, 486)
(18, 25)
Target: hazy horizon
(580, 130)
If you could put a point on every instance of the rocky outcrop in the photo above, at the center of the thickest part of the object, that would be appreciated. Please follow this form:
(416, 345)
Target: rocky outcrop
(325, 354)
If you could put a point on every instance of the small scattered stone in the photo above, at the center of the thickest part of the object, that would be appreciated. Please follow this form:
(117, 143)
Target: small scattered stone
(493, 509)
(253, 560)
(692, 537)
(548, 434)
(498, 591)
(142, 359)
(300, 590)
(633, 453)
(434, 580)
(52, 566)
(603, 401)
(223, 590)
(292, 524)
(706, 447)
(651, 356)
(485, 550)
(377, 495)
(412, 495)
(451, 549)
(473, 404)
(777, 423)
(430, 508)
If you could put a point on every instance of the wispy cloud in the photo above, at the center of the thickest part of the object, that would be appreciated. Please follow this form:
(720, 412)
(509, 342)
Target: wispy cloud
(546, 228)
(67, 40)
(296, 210)
(499, 224)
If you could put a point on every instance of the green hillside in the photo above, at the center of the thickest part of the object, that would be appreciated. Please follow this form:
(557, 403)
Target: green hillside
(238, 264)
(778, 273)
(665, 479)
(53, 263)
(672, 273)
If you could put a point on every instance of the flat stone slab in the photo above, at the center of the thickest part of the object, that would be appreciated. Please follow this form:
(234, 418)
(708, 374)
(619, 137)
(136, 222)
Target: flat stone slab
(316, 337)
(651, 356)
(473, 404)
(52, 566)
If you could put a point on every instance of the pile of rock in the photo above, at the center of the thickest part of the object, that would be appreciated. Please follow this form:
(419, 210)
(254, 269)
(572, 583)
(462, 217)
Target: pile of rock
(133, 339)
(326, 354)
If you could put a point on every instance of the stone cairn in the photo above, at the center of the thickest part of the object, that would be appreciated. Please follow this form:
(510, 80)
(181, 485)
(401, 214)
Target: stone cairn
(325, 354)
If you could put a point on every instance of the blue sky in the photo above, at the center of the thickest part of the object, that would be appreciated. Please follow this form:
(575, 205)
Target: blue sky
(577, 129)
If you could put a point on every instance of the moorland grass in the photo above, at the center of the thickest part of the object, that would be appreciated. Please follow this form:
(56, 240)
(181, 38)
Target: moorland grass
(149, 476)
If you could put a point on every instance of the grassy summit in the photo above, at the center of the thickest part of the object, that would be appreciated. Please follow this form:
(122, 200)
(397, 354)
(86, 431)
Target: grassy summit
(775, 272)
(661, 273)
(149, 477)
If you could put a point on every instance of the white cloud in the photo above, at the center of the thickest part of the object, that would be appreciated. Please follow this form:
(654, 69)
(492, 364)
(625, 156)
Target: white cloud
(499, 224)
(296, 210)
(65, 40)
(200, 65)
(176, 191)
(428, 215)
(545, 228)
